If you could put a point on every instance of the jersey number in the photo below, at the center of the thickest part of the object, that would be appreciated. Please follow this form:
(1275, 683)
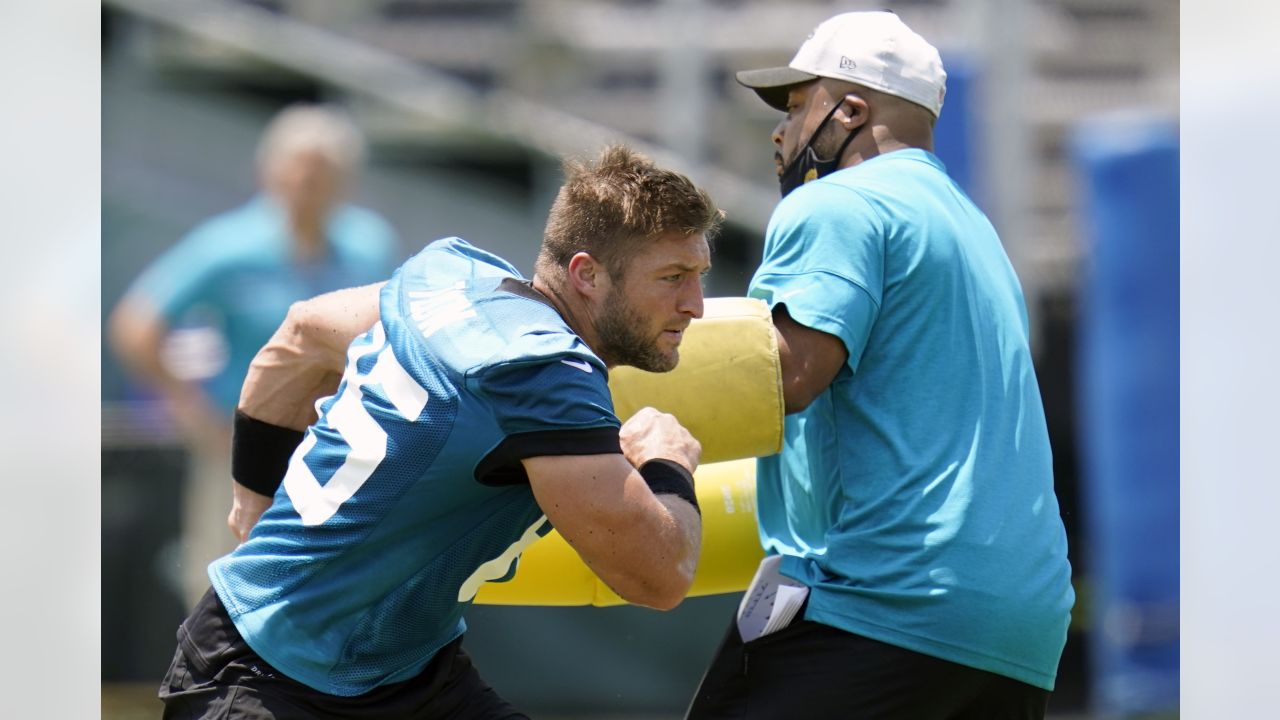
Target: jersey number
(349, 417)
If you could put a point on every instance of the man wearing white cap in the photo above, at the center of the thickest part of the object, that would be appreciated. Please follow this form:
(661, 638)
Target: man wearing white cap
(910, 520)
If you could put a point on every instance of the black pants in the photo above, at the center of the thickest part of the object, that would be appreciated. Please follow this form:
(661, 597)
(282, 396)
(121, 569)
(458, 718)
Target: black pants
(814, 671)
(215, 674)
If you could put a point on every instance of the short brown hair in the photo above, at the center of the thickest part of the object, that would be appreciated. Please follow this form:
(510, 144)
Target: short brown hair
(608, 209)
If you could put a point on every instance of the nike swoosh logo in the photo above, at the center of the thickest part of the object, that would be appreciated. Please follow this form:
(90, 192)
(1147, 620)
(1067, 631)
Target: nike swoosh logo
(582, 365)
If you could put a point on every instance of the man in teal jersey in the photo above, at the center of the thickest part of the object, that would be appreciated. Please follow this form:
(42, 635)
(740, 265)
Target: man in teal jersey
(193, 320)
(468, 411)
(913, 499)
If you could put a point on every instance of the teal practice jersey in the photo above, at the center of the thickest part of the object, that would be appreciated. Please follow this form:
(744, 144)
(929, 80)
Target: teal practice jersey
(408, 493)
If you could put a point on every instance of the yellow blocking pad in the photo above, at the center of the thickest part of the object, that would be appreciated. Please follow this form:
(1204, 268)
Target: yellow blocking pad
(727, 389)
(551, 573)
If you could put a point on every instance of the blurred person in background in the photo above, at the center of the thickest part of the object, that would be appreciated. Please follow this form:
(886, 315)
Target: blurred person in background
(912, 506)
(468, 411)
(189, 326)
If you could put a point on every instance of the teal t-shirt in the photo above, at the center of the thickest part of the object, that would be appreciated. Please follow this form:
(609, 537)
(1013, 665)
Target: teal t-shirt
(915, 495)
(233, 275)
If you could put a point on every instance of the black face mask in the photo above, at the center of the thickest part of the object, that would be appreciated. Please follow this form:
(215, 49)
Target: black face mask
(806, 166)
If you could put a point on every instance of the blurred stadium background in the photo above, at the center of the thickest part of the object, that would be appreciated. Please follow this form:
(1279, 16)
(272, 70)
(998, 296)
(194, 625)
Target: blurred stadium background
(1061, 121)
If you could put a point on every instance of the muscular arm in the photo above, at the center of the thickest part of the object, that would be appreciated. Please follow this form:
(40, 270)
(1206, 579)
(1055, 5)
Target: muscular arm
(304, 360)
(810, 360)
(642, 545)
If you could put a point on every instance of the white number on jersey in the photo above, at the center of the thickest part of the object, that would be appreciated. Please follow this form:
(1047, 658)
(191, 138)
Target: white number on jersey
(501, 565)
(350, 418)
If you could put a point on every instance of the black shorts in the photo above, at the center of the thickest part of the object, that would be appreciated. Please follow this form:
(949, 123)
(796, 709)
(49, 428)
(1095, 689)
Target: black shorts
(215, 674)
(814, 671)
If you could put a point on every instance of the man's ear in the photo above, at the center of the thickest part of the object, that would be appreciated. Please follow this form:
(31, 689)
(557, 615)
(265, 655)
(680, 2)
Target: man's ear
(854, 111)
(588, 276)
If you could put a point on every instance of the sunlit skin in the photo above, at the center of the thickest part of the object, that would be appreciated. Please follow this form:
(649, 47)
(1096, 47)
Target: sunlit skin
(646, 311)
(639, 317)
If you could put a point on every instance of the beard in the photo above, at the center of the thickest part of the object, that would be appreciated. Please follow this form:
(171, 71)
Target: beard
(828, 142)
(620, 329)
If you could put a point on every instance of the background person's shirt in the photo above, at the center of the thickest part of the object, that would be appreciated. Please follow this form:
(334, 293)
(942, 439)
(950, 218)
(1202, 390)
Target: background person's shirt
(232, 280)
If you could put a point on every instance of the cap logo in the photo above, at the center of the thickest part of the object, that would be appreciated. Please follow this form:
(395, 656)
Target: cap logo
(847, 64)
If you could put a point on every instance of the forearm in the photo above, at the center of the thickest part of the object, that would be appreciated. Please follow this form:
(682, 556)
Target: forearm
(304, 360)
(649, 558)
(136, 334)
(664, 524)
(644, 546)
(685, 540)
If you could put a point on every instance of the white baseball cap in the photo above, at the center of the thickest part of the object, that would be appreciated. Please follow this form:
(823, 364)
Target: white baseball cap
(874, 49)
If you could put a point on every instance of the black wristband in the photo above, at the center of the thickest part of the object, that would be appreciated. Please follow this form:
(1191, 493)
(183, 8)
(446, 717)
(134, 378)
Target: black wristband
(260, 453)
(670, 478)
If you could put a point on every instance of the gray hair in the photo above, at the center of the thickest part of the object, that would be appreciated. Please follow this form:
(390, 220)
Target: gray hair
(310, 127)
